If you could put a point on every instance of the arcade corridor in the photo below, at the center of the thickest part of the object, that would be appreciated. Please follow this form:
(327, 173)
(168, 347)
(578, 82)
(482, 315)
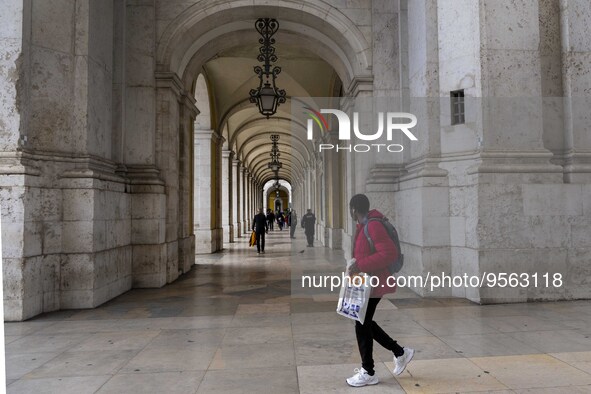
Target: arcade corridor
(233, 314)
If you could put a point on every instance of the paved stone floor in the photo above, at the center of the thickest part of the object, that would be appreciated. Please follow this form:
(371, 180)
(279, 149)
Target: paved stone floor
(235, 325)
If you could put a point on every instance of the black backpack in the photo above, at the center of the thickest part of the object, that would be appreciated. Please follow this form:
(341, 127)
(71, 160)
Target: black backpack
(395, 265)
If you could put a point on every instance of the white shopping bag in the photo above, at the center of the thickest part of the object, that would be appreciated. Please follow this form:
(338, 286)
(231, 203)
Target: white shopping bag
(354, 297)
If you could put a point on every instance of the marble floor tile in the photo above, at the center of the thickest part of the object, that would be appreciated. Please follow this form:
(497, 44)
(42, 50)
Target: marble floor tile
(314, 306)
(260, 320)
(426, 348)
(260, 354)
(162, 382)
(203, 337)
(45, 343)
(430, 312)
(584, 326)
(313, 351)
(11, 338)
(500, 310)
(190, 323)
(83, 364)
(251, 335)
(265, 309)
(522, 323)
(400, 328)
(580, 360)
(26, 328)
(302, 319)
(554, 341)
(170, 359)
(19, 364)
(59, 385)
(489, 392)
(270, 380)
(94, 326)
(532, 371)
(104, 314)
(446, 376)
(457, 326)
(327, 297)
(557, 390)
(125, 340)
(492, 344)
(332, 379)
(344, 330)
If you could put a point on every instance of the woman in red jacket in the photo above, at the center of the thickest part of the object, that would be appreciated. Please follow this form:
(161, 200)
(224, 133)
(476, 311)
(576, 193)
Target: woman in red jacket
(375, 264)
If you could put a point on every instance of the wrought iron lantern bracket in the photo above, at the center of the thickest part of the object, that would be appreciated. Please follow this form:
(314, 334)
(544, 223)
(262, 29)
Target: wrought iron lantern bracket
(267, 96)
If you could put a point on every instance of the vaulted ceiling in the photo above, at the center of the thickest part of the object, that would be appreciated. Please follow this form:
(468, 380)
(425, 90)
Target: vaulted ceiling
(230, 76)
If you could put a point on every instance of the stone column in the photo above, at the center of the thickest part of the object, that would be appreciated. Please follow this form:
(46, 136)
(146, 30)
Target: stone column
(236, 199)
(254, 197)
(421, 212)
(576, 71)
(248, 180)
(186, 208)
(334, 198)
(205, 192)
(244, 194)
(170, 105)
(22, 296)
(227, 157)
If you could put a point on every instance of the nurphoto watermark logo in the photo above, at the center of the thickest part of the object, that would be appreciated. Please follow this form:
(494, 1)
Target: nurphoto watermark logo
(391, 122)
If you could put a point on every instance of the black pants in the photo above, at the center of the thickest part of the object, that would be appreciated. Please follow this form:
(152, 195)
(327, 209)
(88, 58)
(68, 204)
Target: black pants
(367, 332)
(260, 241)
(270, 225)
(310, 238)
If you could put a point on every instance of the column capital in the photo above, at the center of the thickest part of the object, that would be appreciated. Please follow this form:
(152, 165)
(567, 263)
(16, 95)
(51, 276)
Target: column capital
(203, 134)
(169, 80)
(228, 154)
(360, 84)
(208, 134)
(235, 162)
(217, 138)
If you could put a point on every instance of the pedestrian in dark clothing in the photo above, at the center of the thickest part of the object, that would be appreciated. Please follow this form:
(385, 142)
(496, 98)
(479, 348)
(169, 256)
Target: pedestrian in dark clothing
(280, 220)
(259, 226)
(309, 225)
(373, 262)
(270, 219)
(293, 222)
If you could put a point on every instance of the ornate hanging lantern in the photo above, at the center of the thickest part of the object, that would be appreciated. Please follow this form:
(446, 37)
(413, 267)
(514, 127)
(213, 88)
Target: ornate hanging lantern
(267, 96)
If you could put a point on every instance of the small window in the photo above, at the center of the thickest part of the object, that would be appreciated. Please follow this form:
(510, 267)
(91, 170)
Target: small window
(457, 107)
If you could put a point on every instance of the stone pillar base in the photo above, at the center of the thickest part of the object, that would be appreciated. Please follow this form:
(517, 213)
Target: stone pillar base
(186, 253)
(334, 238)
(173, 269)
(228, 230)
(149, 262)
(208, 240)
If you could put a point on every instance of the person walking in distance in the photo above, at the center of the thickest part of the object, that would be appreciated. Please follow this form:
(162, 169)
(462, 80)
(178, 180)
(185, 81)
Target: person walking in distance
(374, 263)
(293, 222)
(309, 225)
(259, 226)
(280, 220)
(270, 219)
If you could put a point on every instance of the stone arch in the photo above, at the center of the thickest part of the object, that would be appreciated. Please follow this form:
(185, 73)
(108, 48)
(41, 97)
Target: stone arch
(268, 186)
(201, 93)
(323, 24)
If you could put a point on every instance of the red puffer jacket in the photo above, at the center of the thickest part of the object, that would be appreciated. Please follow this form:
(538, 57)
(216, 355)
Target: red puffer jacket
(377, 263)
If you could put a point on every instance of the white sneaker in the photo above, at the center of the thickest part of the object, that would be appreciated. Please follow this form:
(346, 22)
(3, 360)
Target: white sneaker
(401, 362)
(362, 378)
